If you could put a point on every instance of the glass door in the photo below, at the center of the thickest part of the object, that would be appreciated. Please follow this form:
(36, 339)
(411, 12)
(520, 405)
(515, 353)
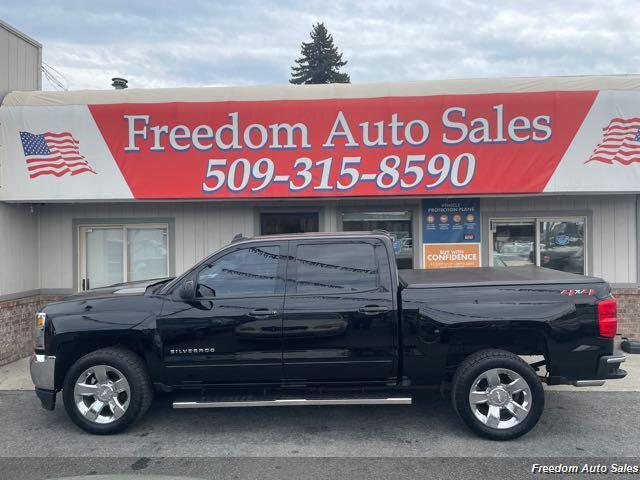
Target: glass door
(562, 244)
(103, 257)
(113, 254)
(513, 243)
(146, 252)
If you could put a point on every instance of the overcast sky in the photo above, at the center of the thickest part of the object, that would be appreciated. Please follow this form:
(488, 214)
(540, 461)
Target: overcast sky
(236, 42)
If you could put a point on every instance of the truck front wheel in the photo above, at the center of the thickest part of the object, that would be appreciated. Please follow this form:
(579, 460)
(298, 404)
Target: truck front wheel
(497, 394)
(107, 390)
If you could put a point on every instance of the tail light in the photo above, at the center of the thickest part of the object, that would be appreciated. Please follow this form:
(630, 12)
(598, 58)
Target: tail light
(607, 317)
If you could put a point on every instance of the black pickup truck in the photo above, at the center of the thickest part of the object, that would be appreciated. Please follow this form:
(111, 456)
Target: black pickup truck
(326, 319)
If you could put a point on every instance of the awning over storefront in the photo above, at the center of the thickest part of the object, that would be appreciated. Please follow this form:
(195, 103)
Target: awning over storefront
(455, 137)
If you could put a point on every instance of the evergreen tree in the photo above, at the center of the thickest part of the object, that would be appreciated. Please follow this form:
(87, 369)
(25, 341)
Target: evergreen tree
(320, 61)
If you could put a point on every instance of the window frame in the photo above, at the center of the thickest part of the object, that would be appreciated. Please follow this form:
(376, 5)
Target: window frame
(412, 206)
(313, 211)
(280, 270)
(292, 272)
(537, 220)
(81, 229)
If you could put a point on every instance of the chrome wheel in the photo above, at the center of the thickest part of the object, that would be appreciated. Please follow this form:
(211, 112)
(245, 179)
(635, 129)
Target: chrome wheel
(102, 394)
(500, 398)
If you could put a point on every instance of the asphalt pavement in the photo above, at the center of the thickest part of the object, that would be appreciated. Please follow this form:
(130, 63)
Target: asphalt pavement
(317, 442)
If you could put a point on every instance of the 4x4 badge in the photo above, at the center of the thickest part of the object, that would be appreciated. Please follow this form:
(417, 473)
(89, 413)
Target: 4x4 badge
(578, 291)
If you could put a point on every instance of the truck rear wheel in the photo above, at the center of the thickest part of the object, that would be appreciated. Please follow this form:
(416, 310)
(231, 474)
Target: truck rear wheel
(497, 394)
(107, 390)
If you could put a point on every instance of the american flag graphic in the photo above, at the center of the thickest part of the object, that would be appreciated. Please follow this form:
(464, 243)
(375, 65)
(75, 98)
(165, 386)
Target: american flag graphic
(53, 154)
(620, 142)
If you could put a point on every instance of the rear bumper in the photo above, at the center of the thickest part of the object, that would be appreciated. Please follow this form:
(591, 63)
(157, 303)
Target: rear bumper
(608, 369)
(609, 366)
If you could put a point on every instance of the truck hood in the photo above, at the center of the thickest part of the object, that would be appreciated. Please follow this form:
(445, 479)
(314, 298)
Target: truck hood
(129, 288)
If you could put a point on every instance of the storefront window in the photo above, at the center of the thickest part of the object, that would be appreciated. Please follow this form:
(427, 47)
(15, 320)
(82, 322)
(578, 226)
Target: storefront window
(288, 222)
(514, 243)
(562, 245)
(147, 253)
(121, 253)
(104, 254)
(397, 223)
(551, 243)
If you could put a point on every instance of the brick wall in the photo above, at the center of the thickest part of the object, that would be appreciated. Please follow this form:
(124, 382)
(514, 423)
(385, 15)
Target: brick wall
(16, 326)
(628, 311)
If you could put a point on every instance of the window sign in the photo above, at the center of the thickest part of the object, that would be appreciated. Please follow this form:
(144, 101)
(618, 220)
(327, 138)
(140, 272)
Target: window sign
(451, 233)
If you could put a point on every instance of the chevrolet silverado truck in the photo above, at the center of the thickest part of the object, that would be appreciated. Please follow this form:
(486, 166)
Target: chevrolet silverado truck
(326, 319)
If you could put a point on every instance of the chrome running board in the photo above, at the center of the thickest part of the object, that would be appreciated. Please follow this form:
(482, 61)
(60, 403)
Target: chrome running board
(289, 402)
(588, 383)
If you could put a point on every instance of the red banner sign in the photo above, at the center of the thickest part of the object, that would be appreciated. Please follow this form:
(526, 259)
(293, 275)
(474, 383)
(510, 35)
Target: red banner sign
(467, 144)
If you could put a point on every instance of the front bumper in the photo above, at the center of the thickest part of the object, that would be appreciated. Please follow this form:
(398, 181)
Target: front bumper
(47, 398)
(43, 368)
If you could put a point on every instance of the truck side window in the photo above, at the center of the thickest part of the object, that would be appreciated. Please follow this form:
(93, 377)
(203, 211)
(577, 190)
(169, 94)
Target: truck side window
(247, 271)
(336, 268)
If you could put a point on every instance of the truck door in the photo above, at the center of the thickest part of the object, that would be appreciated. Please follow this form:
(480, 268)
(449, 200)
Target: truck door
(232, 330)
(340, 319)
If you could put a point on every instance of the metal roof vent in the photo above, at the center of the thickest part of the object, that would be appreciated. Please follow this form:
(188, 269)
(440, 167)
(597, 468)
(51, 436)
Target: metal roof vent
(119, 83)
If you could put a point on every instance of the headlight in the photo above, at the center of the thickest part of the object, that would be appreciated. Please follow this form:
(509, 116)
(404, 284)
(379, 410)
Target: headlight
(38, 336)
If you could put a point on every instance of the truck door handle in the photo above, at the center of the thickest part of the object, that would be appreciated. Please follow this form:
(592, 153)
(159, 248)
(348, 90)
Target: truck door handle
(262, 313)
(373, 310)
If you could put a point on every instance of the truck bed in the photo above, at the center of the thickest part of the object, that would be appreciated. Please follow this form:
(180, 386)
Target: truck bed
(490, 276)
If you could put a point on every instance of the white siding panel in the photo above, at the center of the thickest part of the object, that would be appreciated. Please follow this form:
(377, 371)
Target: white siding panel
(597, 233)
(4, 62)
(608, 254)
(18, 249)
(56, 246)
(20, 61)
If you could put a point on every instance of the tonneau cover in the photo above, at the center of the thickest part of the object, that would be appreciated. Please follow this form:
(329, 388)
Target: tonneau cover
(490, 276)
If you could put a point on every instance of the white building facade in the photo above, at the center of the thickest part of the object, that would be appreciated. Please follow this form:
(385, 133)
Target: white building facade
(104, 187)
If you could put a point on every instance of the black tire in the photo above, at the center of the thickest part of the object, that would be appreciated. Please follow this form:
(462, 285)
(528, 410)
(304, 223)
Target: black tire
(483, 361)
(135, 372)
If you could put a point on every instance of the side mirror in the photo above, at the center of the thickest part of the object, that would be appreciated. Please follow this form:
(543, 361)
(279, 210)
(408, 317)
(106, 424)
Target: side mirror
(187, 290)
